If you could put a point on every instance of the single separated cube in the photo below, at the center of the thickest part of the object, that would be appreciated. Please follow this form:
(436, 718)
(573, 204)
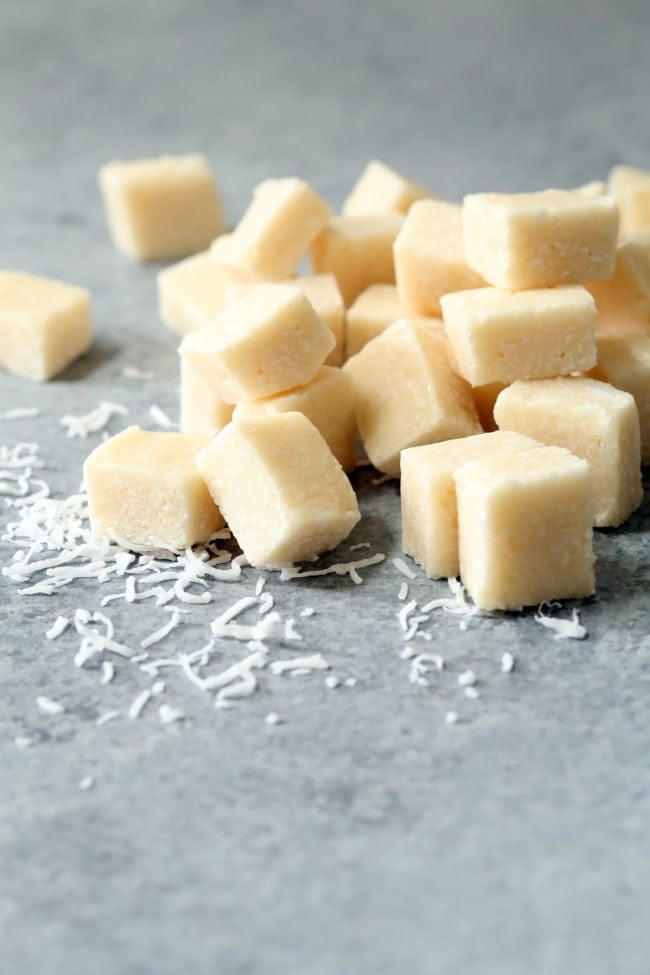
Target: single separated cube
(44, 324)
(161, 209)
(194, 291)
(540, 240)
(524, 528)
(269, 341)
(630, 187)
(274, 234)
(381, 189)
(146, 488)
(428, 492)
(282, 491)
(592, 420)
(358, 251)
(327, 401)
(430, 257)
(500, 336)
(370, 314)
(624, 361)
(623, 301)
(407, 394)
(202, 413)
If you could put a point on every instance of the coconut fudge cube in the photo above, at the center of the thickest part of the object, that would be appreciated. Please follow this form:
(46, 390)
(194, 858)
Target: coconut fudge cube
(630, 187)
(624, 361)
(500, 336)
(283, 218)
(161, 209)
(407, 394)
(202, 413)
(145, 489)
(540, 240)
(327, 401)
(269, 341)
(623, 301)
(591, 419)
(358, 251)
(525, 528)
(430, 257)
(381, 189)
(282, 491)
(44, 324)
(194, 291)
(428, 495)
(370, 314)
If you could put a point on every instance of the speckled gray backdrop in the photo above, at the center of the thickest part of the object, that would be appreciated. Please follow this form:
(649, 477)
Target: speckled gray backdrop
(363, 834)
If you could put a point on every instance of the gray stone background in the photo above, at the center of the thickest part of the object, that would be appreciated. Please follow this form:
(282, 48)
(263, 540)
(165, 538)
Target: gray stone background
(363, 834)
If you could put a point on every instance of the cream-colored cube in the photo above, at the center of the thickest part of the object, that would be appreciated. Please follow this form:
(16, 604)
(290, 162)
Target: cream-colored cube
(370, 314)
(630, 187)
(500, 336)
(430, 257)
(540, 240)
(194, 291)
(358, 251)
(146, 489)
(44, 324)
(428, 494)
(269, 341)
(623, 301)
(161, 209)
(327, 401)
(202, 413)
(282, 491)
(274, 234)
(595, 188)
(524, 528)
(381, 189)
(624, 361)
(591, 419)
(407, 394)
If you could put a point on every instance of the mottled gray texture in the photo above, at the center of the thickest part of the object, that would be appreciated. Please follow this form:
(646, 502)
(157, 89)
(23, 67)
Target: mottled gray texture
(363, 835)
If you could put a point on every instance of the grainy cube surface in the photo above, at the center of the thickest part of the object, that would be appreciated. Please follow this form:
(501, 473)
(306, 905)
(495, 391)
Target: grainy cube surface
(44, 324)
(500, 336)
(358, 251)
(623, 301)
(270, 341)
(430, 257)
(283, 493)
(428, 495)
(146, 488)
(327, 401)
(160, 209)
(407, 394)
(540, 240)
(630, 187)
(591, 419)
(381, 189)
(624, 361)
(194, 291)
(525, 528)
(202, 413)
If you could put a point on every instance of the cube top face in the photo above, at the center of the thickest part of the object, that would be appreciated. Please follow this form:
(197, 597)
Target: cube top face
(379, 300)
(433, 227)
(161, 454)
(327, 380)
(261, 305)
(571, 397)
(484, 305)
(441, 459)
(544, 465)
(32, 301)
(533, 240)
(381, 189)
(192, 292)
(161, 209)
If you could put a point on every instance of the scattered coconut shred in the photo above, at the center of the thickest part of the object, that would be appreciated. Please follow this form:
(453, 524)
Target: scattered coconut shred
(55, 549)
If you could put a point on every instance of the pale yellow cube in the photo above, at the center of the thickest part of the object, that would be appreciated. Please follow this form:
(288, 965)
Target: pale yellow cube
(274, 234)
(282, 491)
(202, 412)
(381, 189)
(540, 240)
(358, 251)
(500, 336)
(327, 401)
(145, 489)
(623, 301)
(370, 314)
(428, 495)
(44, 324)
(194, 291)
(270, 341)
(595, 188)
(430, 257)
(161, 209)
(525, 528)
(407, 394)
(591, 419)
(624, 361)
(630, 187)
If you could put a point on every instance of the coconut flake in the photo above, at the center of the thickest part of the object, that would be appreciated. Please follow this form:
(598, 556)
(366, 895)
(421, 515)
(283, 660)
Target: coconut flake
(339, 569)
(139, 704)
(272, 718)
(571, 629)
(86, 783)
(108, 672)
(507, 663)
(48, 706)
(20, 413)
(170, 715)
(57, 628)
(138, 375)
(98, 419)
(451, 717)
(106, 717)
(159, 416)
(467, 678)
(162, 632)
(314, 661)
(405, 569)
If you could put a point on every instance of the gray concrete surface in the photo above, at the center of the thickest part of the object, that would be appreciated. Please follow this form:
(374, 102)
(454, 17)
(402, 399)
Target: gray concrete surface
(362, 835)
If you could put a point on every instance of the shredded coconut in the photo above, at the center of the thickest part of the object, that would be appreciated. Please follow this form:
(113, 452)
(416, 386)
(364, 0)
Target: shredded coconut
(272, 718)
(451, 717)
(98, 419)
(339, 569)
(20, 413)
(159, 416)
(405, 569)
(106, 717)
(507, 663)
(49, 706)
(139, 375)
(467, 678)
(314, 661)
(86, 783)
(57, 628)
(564, 629)
(170, 715)
(139, 704)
